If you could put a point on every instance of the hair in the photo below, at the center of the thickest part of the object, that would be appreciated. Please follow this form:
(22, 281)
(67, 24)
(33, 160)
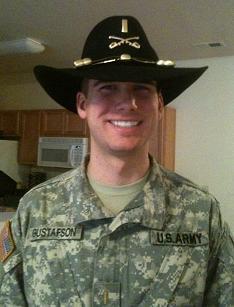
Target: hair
(84, 86)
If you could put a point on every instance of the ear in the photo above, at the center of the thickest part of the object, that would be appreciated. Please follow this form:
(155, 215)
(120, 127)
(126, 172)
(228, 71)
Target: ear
(160, 105)
(81, 104)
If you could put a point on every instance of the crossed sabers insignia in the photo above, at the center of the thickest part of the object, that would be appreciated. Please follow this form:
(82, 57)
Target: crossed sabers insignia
(122, 41)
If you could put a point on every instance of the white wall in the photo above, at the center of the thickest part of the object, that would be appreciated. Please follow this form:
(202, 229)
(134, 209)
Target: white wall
(8, 162)
(205, 131)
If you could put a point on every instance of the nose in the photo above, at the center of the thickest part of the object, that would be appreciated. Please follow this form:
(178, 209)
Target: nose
(126, 100)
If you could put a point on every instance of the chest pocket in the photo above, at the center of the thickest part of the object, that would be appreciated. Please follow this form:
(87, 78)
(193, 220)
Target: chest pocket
(50, 280)
(13, 262)
(11, 283)
(181, 276)
(162, 266)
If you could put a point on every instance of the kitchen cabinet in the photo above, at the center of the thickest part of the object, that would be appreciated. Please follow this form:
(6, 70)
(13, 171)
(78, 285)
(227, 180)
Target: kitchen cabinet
(73, 125)
(10, 122)
(61, 123)
(32, 124)
(38, 123)
(29, 134)
(52, 123)
(167, 138)
(162, 141)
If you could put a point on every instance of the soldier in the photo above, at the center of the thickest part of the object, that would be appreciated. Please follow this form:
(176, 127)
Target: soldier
(119, 230)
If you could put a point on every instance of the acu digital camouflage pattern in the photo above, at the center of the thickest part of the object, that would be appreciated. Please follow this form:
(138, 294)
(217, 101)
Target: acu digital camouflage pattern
(169, 247)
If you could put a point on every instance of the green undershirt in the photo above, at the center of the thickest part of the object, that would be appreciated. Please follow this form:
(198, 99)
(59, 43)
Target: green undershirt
(115, 198)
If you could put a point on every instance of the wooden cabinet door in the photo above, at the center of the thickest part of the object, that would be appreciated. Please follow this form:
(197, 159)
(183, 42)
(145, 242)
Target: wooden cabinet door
(162, 142)
(52, 123)
(61, 123)
(30, 131)
(34, 123)
(10, 122)
(167, 138)
(74, 125)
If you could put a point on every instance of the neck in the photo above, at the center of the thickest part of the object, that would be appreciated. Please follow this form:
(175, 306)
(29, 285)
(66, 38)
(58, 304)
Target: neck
(117, 170)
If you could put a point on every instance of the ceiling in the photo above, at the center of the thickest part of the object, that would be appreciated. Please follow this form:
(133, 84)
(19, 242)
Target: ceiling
(177, 29)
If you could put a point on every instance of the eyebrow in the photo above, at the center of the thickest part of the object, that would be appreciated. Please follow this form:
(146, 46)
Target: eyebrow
(98, 82)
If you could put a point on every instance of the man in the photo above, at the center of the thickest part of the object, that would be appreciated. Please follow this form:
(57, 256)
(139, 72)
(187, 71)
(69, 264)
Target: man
(120, 230)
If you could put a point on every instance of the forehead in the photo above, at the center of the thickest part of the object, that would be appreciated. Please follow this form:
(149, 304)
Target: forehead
(95, 82)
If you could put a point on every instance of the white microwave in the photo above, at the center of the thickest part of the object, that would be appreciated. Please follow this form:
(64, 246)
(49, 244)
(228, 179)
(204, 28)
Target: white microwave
(61, 151)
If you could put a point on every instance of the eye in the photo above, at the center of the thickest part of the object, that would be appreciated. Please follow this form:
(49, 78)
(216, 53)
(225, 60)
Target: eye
(141, 88)
(106, 88)
(144, 88)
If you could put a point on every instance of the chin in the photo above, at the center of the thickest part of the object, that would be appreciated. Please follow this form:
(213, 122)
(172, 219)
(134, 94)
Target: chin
(126, 150)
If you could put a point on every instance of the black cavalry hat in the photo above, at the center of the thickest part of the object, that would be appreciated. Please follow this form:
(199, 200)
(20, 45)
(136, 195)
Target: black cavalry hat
(117, 49)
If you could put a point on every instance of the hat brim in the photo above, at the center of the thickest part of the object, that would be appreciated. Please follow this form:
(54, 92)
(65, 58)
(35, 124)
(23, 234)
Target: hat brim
(62, 84)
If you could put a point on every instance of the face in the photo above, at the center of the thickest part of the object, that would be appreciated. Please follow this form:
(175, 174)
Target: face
(120, 115)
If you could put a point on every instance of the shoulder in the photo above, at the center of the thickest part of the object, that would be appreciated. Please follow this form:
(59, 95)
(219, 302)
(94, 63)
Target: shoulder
(190, 205)
(56, 184)
(176, 183)
(186, 198)
(174, 179)
(63, 178)
(49, 202)
(52, 194)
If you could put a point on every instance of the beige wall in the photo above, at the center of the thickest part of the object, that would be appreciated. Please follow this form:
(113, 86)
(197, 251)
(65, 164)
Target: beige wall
(205, 131)
(21, 91)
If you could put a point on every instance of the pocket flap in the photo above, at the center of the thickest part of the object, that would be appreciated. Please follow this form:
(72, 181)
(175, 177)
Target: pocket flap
(106, 293)
(12, 262)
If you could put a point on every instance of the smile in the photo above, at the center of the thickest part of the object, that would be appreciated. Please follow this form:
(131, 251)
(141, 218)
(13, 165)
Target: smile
(124, 123)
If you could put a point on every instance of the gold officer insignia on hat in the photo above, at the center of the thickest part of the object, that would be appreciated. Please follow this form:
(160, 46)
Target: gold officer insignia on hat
(131, 41)
(7, 245)
(165, 63)
(122, 57)
(128, 41)
(124, 26)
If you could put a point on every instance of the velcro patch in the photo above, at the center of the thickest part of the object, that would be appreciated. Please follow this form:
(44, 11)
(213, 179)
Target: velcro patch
(178, 238)
(7, 245)
(56, 233)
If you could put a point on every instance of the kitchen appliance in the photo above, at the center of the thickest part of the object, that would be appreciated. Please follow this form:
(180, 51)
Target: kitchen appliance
(9, 159)
(7, 184)
(35, 178)
(61, 151)
(11, 176)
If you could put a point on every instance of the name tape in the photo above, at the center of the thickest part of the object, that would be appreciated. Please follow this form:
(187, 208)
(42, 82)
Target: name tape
(56, 233)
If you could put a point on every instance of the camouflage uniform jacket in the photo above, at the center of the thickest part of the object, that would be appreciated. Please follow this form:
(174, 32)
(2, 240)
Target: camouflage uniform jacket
(168, 247)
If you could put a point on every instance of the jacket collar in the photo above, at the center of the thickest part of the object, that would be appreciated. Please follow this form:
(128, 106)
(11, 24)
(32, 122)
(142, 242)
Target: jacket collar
(148, 208)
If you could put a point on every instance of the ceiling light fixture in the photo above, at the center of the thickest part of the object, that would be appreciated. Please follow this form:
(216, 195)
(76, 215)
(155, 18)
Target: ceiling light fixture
(21, 46)
(210, 44)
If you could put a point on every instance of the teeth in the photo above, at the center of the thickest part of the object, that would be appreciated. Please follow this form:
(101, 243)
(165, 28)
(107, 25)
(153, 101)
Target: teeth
(121, 123)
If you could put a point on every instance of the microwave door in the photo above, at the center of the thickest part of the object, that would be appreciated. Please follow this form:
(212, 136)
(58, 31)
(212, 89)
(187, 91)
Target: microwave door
(56, 155)
(61, 152)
